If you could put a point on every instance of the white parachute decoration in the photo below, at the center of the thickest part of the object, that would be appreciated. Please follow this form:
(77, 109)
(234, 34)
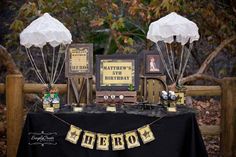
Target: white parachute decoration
(42, 31)
(168, 30)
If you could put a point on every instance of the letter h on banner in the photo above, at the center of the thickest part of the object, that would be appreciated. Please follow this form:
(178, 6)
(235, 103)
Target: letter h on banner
(88, 139)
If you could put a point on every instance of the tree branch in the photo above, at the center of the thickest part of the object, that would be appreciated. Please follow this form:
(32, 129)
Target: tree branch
(108, 45)
(195, 77)
(115, 37)
(214, 53)
(7, 60)
(199, 74)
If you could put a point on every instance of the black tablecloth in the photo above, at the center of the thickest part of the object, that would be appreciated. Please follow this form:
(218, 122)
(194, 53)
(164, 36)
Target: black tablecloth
(176, 136)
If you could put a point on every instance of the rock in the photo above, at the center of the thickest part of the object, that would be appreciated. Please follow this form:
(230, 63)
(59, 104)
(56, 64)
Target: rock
(189, 101)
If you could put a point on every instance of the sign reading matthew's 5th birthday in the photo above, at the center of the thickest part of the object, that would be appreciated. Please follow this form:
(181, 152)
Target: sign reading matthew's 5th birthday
(116, 72)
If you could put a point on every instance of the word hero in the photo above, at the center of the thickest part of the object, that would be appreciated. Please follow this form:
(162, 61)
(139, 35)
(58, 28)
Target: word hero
(119, 141)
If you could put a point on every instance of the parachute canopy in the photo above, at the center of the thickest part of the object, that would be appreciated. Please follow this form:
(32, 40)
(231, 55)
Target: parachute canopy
(43, 30)
(173, 26)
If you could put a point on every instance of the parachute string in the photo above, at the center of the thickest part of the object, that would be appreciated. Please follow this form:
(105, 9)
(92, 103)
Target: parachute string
(34, 66)
(186, 59)
(180, 64)
(57, 63)
(62, 64)
(36, 70)
(45, 66)
(163, 61)
(59, 71)
(170, 65)
(53, 58)
(172, 59)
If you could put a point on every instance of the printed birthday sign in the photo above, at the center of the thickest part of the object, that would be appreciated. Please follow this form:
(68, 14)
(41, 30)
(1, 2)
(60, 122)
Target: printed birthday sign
(116, 72)
(79, 60)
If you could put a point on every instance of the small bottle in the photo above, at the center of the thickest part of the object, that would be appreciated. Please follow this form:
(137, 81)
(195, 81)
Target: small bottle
(56, 102)
(46, 102)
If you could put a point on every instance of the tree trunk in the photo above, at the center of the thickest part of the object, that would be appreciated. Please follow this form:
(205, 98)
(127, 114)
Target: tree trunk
(7, 60)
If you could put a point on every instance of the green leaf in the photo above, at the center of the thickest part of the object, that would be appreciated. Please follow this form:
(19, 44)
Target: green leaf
(119, 24)
(130, 41)
(131, 87)
(17, 25)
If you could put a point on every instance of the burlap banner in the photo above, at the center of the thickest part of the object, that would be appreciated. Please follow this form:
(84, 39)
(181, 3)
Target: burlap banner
(118, 140)
(101, 141)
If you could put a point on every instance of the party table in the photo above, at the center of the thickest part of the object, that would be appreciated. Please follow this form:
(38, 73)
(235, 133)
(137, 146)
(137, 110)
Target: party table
(176, 135)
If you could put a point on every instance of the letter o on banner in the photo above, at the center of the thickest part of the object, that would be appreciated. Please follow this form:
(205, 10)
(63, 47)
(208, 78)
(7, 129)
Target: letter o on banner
(131, 138)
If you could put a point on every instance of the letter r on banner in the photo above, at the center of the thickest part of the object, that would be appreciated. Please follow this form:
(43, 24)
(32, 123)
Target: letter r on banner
(117, 141)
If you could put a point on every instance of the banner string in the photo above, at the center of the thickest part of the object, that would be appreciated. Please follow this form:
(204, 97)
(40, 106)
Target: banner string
(58, 118)
(156, 120)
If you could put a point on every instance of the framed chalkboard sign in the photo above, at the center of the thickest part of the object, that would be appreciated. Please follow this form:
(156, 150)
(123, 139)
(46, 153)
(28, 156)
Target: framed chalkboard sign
(79, 60)
(116, 72)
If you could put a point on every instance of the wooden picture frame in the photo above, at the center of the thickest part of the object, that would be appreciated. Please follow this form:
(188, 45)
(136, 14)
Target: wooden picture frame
(153, 65)
(79, 60)
(116, 72)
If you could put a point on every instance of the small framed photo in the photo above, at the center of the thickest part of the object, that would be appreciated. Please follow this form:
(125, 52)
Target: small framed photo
(116, 72)
(153, 64)
(79, 60)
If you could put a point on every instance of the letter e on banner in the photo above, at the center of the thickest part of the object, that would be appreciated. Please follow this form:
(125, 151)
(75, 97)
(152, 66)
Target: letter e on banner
(103, 141)
(73, 134)
(146, 134)
(117, 141)
(88, 139)
(131, 138)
